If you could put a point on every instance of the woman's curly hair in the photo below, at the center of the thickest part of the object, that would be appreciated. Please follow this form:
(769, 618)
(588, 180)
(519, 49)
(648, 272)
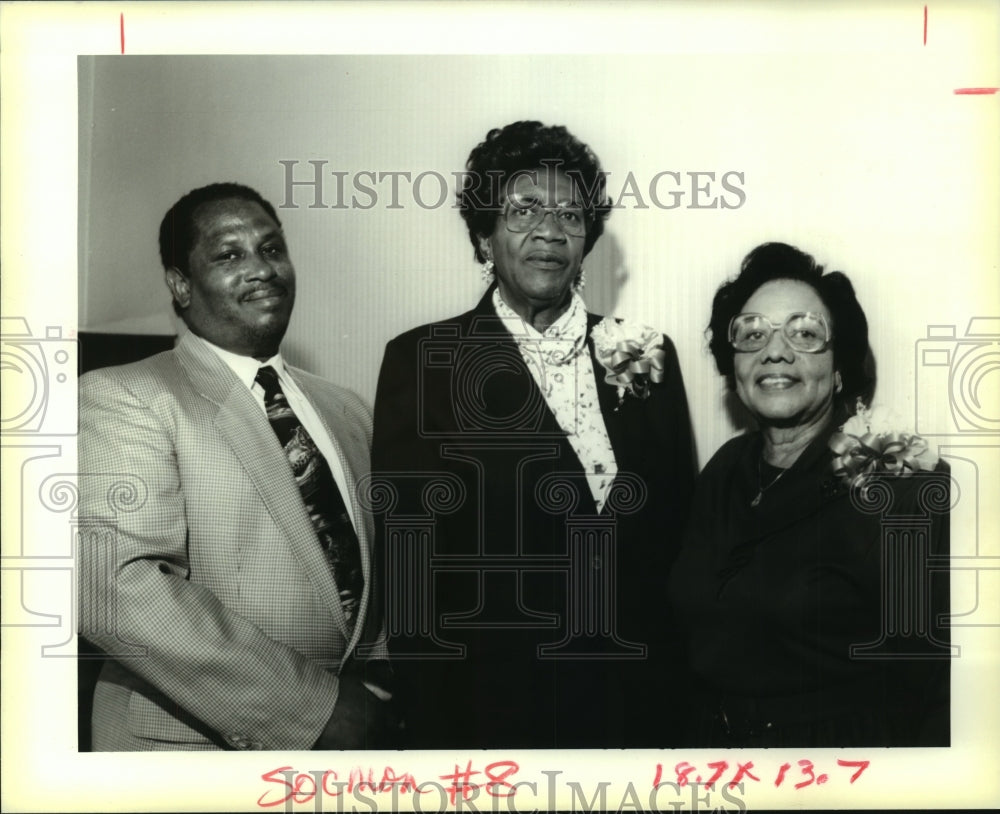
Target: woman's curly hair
(522, 147)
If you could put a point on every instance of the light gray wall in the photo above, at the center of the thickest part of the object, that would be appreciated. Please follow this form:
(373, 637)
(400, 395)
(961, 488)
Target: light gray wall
(837, 156)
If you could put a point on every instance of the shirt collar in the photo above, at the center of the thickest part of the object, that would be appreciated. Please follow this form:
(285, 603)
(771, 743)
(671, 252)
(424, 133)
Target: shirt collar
(245, 367)
(571, 325)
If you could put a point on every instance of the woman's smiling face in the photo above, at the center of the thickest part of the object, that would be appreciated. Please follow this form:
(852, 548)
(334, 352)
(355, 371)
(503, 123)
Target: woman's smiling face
(779, 385)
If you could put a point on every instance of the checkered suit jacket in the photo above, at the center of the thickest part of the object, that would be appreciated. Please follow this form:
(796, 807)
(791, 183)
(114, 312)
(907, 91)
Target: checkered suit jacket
(214, 595)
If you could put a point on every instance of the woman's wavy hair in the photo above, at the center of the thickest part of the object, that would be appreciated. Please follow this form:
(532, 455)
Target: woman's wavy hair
(852, 355)
(523, 147)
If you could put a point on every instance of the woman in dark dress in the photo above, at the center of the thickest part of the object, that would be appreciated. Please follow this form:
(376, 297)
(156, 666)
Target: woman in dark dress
(534, 466)
(812, 582)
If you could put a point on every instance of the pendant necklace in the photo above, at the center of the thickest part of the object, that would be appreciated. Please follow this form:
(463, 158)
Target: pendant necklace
(761, 488)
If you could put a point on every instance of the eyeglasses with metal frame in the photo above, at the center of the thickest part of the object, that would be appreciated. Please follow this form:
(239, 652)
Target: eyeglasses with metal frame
(524, 215)
(804, 331)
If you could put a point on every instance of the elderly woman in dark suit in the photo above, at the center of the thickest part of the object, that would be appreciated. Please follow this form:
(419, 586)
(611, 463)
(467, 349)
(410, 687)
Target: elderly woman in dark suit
(539, 465)
(812, 581)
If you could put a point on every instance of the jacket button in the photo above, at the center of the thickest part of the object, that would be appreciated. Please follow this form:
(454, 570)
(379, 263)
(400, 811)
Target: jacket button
(242, 742)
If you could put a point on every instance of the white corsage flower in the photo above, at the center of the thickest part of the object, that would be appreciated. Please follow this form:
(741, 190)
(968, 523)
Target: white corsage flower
(632, 354)
(870, 441)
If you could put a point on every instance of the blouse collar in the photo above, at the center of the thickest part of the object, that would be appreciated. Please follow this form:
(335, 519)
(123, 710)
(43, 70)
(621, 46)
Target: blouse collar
(560, 343)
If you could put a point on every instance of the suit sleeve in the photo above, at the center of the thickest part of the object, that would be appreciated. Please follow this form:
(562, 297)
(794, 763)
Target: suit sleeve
(931, 678)
(672, 420)
(402, 458)
(400, 451)
(211, 663)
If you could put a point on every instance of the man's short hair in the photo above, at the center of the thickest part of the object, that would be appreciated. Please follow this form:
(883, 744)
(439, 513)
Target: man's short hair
(178, 231)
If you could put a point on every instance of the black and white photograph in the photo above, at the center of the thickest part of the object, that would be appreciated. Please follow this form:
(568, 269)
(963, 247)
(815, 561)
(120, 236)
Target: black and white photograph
(500, 406)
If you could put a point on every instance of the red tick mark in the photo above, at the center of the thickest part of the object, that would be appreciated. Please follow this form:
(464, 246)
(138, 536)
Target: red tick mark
(976, 91)
(925, 25)
(121, 30)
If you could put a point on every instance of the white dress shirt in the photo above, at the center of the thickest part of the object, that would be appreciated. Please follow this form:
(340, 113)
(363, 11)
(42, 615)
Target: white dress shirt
(246, 367)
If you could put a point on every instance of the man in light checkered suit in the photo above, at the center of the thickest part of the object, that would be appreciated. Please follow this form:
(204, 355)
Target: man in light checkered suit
(221, 615)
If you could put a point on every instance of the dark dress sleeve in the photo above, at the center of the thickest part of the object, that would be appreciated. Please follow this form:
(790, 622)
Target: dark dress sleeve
(924, 671)
(412, 417)
(653, 441)
(671, 419)
(396, 441)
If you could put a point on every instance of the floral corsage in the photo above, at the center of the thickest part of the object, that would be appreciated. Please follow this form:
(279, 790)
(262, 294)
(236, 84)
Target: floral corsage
(868, 443)
(632, 354)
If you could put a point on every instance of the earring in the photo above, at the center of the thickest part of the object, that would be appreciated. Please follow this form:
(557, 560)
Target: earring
(487, 272)
(580, 281)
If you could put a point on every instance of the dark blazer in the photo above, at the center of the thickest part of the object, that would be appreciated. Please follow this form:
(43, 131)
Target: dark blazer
(201, 572)
(519, 615)
(817, 617)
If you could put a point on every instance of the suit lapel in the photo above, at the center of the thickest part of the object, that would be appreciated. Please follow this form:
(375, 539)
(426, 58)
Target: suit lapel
(484, 324)
(352, 453)
(245, 428)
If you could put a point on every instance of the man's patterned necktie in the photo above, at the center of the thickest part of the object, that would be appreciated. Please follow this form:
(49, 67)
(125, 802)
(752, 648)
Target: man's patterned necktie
(323, 500)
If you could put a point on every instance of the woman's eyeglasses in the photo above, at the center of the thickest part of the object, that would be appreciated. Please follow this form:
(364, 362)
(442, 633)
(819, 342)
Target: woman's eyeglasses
(807, 332)
(523, 216)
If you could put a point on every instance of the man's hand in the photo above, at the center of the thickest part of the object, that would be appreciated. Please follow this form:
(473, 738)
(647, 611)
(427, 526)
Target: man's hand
(359, 720)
